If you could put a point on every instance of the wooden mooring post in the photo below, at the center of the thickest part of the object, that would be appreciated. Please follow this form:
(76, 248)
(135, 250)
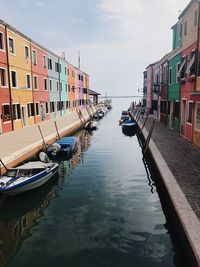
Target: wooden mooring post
(146, 144)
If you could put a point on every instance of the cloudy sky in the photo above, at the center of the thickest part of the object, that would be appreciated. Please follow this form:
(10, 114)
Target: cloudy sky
(117, 39)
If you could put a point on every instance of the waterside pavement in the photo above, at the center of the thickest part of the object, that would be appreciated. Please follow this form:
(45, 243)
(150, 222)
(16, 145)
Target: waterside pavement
(18, 145)
(178, 162)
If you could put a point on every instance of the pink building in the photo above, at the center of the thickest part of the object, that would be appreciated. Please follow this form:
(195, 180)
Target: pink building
(40, 83)
(5, 106)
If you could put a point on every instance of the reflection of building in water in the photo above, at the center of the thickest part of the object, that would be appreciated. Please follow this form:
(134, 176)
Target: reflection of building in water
(14, 230)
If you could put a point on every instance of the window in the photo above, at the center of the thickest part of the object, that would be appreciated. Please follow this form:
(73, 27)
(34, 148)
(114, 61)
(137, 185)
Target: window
(6, 112)
(1, 41)
(185, 28)
(44, 62)
(190, 108)
(35, 79)
(191, 69)
(198, 116)
(37, 108)
(56, 67)
(177, 72)
(28, 81)
(65, 70)
(60, 86)
(52, 107)
(67, 105)
(182, 68)
(68, 71)
(195, 18)
(60, 68)
(34, 57)
(170, 75)
(47, 107)
(49, 63)
(58, 106)
(45, 84)
(14, 78)
(68, 87)
(50, 85)
(27, 54)
(16, 111)
(2, 77)
(57, 85)
(180, 30)
(11, 45)
(31, 112)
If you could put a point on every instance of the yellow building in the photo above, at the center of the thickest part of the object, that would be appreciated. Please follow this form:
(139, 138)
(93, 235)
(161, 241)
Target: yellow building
(19, 55)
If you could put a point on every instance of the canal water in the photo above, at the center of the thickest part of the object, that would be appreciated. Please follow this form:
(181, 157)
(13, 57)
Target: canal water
(100, 210)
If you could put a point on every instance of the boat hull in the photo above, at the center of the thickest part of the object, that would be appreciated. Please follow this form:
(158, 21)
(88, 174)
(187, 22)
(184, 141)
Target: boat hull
(33, 184)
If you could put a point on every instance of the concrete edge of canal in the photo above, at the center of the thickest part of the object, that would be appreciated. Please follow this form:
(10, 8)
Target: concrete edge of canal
(187, 223)
(29, 150)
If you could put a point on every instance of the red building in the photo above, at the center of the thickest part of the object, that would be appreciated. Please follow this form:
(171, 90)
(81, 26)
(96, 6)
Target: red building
(187, 78)
(5, 107)
(40, 83)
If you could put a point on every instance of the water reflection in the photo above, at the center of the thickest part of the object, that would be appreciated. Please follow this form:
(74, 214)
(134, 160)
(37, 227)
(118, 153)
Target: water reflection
(20, 213)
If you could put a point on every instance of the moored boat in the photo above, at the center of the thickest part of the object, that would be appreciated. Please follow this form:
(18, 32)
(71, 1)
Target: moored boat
(26, 177)
(63, 148)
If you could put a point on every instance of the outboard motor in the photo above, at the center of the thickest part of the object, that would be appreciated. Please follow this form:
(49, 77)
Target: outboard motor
(55, 148)
(43, 157)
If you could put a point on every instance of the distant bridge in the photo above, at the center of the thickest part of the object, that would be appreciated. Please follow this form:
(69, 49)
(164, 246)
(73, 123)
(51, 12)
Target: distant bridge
(124, 96)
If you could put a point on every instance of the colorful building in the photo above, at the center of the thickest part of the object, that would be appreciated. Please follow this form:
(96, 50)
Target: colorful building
(188, 32)
(19, 61)
(35, 83)
(41, 108)
(5, 107)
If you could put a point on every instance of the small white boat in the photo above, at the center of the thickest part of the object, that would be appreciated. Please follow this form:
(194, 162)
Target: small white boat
(27, 177)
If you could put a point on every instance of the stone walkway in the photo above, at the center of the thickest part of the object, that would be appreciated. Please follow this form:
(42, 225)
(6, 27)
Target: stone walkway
(182, 158)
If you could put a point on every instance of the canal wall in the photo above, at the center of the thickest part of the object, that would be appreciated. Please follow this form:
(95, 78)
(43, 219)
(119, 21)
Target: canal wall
(18, 146)
(185, 223)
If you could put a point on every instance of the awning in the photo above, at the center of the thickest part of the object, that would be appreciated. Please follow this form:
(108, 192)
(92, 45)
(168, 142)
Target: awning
(192, 60)
(181, 66)
(195, 97)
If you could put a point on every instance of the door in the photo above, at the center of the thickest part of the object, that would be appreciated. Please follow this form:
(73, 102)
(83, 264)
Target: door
(183, 118)
(24, 118)
(171, 117)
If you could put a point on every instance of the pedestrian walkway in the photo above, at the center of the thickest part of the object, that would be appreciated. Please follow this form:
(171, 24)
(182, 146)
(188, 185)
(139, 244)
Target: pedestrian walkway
(16, 146)
(182, 158)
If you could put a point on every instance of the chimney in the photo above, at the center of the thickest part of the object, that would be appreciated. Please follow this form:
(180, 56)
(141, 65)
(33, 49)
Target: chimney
(63, 55)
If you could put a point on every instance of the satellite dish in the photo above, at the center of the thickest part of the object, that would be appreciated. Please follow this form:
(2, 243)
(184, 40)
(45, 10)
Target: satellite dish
(43, 157)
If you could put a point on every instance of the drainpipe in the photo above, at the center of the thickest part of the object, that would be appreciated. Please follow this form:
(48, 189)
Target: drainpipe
(9, 83)
(32, 81)
(59, 69)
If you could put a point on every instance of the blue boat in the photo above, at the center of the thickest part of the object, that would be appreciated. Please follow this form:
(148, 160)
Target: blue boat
(129, 124)
(64, 148)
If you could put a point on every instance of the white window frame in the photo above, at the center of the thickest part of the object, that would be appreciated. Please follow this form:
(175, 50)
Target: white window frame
(34, 82)
(45, 79)
(12, 80)
(3, 41)
(27, 58)
(177, 72)
(14, 52)
(34, 61)
(28, 75)
(44, 61)
(189, 102)
(6, 78)
(28, 111)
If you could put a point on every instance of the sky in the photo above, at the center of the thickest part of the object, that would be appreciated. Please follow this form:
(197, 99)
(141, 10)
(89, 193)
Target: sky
(117, 39)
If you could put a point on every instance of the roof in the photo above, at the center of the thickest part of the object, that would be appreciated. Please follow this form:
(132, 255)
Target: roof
(187, 7)
(91, 92)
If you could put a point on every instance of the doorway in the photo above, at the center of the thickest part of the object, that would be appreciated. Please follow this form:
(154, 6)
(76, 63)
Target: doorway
(183, 119)
(24, 117)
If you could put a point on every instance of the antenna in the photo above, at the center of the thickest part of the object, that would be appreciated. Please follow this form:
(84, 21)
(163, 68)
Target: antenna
(79, 60)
